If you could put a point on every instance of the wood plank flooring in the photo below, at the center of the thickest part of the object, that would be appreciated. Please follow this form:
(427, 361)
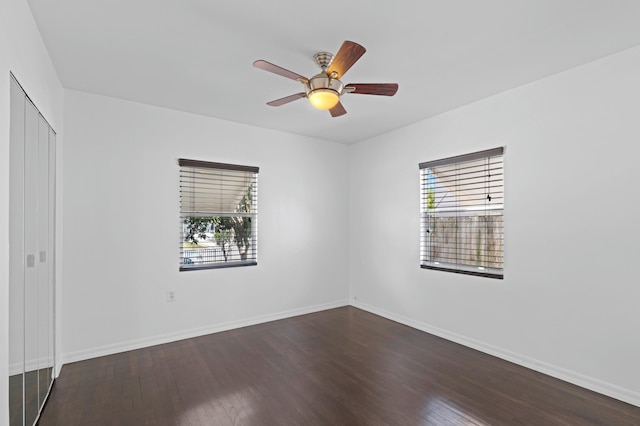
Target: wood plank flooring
(343, 366)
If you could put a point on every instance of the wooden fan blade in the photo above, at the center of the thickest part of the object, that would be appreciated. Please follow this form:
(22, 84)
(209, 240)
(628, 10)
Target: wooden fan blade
(287, 99)
(268, 66)
(384, 89)
(348, 54)
(338, 110)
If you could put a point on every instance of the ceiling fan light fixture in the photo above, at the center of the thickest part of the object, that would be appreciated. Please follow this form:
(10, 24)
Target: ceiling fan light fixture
(324, 98)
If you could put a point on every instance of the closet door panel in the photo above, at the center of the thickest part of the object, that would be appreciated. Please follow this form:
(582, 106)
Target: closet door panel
(51, 257)
(43, 260)
(31, 323)
(16, 255)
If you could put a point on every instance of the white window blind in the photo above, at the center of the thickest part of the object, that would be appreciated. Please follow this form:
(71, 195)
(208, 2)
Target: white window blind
(461, 206)
(218, 215)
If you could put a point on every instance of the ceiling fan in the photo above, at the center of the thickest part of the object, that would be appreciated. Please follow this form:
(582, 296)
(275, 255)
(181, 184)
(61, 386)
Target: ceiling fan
(324, 89)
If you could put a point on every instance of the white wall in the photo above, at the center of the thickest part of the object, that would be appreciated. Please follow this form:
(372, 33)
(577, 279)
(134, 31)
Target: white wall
(569, 302)
(22, 52)
(122, 226)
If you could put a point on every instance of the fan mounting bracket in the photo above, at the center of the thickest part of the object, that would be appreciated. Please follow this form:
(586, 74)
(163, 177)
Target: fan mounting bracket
(323, 59)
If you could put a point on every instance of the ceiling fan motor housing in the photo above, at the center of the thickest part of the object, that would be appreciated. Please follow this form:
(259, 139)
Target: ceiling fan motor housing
(323, 82)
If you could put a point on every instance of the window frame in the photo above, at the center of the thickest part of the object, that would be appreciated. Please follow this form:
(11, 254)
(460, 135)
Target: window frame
(430, 213)
(195, 192)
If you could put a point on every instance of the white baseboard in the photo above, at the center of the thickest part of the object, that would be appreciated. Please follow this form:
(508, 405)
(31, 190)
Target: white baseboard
(15, 368)
(581, 380)
(30, 365)
(186, 334)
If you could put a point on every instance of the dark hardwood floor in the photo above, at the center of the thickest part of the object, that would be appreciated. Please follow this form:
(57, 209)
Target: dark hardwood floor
(338, 367)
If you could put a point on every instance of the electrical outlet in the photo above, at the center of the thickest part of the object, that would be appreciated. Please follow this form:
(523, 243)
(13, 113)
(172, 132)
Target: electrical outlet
(171, 296)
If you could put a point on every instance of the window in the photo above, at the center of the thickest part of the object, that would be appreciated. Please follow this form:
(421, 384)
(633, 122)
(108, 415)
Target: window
(461, 207)
(218, 215)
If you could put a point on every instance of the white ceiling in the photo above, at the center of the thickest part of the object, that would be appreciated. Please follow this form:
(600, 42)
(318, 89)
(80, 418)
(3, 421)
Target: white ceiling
(197, 55)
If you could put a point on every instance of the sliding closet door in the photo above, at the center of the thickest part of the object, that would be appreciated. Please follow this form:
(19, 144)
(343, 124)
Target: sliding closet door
(51, 259)
(43, 287)
(31, 281)
(16, 256)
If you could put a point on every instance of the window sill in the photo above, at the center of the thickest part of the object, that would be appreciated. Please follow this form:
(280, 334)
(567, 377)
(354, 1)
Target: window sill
(478, 273)
(218, 265)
